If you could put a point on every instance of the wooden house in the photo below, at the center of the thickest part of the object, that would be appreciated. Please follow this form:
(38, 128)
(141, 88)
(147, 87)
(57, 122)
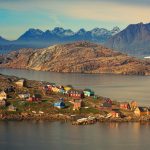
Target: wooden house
(114, 114)
(77, 104)
(3, 95)
(141, 111)
(24, 96)
(20, 83)
(88, 92)
(55, 89)
(2, 103)
(59, 104)
(105, 106)
(35, 97)
(67, 89)
(77, 94)
(124, 105)
(11, 108)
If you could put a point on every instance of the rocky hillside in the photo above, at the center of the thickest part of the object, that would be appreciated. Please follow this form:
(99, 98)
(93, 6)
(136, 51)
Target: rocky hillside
(83, 57)
(134, 40)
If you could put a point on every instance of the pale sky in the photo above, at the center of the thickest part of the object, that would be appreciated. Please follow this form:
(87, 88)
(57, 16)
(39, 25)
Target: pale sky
(17, 16)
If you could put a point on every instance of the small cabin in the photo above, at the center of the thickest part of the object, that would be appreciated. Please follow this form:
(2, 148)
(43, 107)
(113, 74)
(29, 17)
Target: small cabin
(35, 97)
(11, 108)
(55, 89)
(59, 104)
(24, 96)
(125, 105)
(67, 89)
(114, 114)
(76, 94)
(105, 106)
(20, 83)
(3, 95)
(2, 103)
(141, 111)
(77, 104)
(88, 92)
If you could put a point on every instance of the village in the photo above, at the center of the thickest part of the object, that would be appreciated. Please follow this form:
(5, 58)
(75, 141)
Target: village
(23, 99)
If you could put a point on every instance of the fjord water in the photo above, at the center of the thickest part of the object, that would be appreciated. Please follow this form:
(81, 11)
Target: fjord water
(32, 135)
(117, 87)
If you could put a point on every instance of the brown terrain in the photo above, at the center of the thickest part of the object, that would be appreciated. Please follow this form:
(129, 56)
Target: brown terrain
(82, 57)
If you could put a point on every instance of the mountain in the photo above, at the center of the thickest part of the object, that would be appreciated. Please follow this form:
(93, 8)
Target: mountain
(35, 38)
(134, 40)
(83, 57)
(3, 41)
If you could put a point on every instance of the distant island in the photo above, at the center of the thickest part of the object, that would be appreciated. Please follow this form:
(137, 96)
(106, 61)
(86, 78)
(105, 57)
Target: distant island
(22, 99)
(81, 57)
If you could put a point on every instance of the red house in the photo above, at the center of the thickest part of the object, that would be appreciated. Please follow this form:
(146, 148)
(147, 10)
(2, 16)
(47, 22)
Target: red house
(76, 94)
(77, 104)
(124, 105)
(35, 97)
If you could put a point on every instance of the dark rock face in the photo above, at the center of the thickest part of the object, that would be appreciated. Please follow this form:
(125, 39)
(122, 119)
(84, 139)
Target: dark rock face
(134, 40)
(83, 57)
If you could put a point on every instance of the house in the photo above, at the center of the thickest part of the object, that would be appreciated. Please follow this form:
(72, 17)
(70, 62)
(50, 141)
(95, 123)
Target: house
(2, 103)
(62, 91)
(88, 92)
(133, 105)
(55, 89)
(24, 96)
(11, 108)
(35, 97)
(59, 104)
(76, 94)
(141, 111)
(3, 95)
(20, 83)
(105, 106)
(77, 104)
(124, 105)
(67, 88)
(10, 89)
(114, 114)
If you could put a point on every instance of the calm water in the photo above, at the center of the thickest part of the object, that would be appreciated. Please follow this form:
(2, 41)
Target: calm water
(117, 87)
(63, 136)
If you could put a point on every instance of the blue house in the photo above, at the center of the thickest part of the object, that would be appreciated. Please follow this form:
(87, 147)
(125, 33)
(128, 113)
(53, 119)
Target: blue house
(59, 104)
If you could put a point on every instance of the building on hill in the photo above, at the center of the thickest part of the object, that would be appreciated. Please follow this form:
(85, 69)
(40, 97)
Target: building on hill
(141, 111)
(77, 94)
(59, 104)
(77, 104)
(125, 105)
(20, 83)
(88, 92)
(3, 95)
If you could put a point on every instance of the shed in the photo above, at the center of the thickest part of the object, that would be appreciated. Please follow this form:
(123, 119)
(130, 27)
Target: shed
(76, 94)
(11, 108)
(141, 111)
(3, 95)
(20, 83)
(77, 104)
(59, 104)
(124, 105)
(88, 92)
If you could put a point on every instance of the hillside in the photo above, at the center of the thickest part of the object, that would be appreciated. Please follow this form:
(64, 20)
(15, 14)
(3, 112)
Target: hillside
(132, 40)
(83, 57)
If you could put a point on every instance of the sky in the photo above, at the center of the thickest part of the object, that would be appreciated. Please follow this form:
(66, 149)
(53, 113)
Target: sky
(17, 16)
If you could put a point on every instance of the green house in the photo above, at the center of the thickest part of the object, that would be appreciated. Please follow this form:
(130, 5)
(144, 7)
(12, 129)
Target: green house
(88, 92)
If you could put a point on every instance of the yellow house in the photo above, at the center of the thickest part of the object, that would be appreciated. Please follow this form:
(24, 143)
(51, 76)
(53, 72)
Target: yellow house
(67, 88)
(20, 83)
(3, 95)
(55, 89)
